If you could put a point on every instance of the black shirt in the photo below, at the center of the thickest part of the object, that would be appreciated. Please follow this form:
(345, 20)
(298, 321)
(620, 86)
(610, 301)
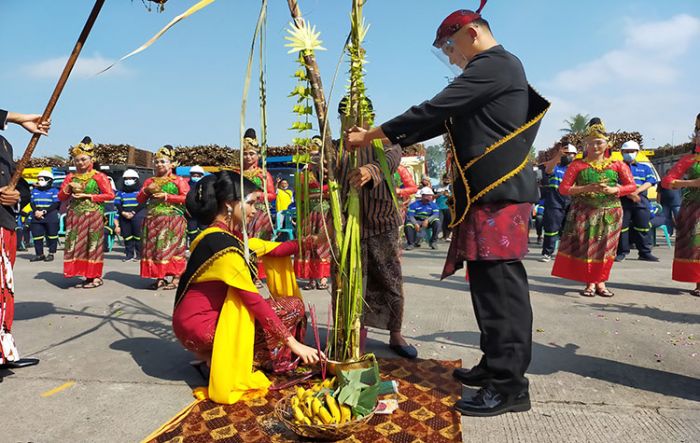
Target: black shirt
(488, 108)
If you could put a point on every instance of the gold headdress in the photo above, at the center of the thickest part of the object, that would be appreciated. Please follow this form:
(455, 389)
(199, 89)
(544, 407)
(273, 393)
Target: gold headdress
(250, 141)
(168, 152)
(596, 130)
(85, 147)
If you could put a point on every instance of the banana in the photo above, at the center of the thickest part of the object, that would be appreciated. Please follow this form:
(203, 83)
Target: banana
(294, 401)
(345, 413)
(298, 414)
(325, 416)
(307, 421)
(333, 407)
(316, 405)
(300, 392)
(317, 421)
(309, 406)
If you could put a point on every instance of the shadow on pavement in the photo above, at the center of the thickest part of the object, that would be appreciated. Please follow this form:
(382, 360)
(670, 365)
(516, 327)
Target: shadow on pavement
(57, 279)
(132, 280)
(29, 310)
(611, 284)
(551, 358)
(162, 359)
(648, 311)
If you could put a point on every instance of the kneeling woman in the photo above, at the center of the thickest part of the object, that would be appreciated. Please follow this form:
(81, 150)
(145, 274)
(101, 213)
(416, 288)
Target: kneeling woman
(217, 303)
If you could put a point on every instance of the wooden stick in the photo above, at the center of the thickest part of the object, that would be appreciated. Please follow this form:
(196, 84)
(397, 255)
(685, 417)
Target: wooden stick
(56, 92)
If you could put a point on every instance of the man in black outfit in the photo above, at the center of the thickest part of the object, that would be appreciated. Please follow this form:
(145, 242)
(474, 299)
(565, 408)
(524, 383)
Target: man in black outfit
(491, 116)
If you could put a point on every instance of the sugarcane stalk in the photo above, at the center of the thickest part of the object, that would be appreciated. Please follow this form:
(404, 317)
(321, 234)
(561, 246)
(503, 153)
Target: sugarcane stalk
(22, 163)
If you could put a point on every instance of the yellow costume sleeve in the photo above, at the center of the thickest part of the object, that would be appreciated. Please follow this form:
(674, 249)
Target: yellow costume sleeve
(281, 280)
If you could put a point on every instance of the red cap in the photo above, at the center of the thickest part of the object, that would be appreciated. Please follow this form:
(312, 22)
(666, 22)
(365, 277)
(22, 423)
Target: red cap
(454, 22)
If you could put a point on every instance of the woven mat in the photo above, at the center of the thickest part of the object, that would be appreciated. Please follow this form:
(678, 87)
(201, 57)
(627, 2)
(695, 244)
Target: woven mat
(427, 392)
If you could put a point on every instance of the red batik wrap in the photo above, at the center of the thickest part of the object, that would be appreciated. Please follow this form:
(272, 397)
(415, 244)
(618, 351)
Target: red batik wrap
(7, 298)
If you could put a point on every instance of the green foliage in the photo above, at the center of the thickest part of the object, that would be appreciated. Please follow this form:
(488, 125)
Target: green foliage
(576, 124)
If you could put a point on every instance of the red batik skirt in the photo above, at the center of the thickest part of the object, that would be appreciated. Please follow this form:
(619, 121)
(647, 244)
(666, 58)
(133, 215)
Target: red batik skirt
(314, 261)
(490, 231)
(164, 247)
(686, 259)
(588, 244)
(84, 249)
(7, 298)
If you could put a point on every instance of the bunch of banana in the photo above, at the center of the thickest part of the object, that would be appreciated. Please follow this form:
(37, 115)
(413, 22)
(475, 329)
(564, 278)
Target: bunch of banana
(317, 405)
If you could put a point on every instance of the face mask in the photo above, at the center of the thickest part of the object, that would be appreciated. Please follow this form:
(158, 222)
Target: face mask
(629, 156)
(41, 182)
(565, 160)
(195, 179)
(130, 182)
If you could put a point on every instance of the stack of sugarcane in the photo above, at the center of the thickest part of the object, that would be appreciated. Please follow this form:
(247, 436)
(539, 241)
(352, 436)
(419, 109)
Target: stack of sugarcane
(47, 162)
(109, 154)
(206, 155)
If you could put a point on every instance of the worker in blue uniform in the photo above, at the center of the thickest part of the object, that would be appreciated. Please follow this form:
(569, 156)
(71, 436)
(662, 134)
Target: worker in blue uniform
(131, 214)
(423, 214)
(44, 220)
(555, 205)
(635, 207)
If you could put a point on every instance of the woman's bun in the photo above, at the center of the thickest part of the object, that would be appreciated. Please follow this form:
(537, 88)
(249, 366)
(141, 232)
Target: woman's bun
(201, 203)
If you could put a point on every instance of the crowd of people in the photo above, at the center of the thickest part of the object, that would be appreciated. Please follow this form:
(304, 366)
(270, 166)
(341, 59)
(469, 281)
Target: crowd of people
(484, 208)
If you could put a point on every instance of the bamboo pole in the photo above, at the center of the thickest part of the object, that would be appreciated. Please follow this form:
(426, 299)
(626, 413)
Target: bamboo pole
(319, 98)
(22, 163)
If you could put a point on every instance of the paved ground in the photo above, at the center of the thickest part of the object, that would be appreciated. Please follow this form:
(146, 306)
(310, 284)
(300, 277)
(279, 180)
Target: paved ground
(608, 370)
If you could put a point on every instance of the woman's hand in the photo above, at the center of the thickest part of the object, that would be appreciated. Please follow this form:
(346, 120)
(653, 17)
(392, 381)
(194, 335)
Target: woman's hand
(80, 196)
(610, 190)
(308, 354)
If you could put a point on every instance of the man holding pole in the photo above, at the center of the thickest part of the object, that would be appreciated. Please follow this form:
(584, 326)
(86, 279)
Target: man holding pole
(491, 116)
(10, 202)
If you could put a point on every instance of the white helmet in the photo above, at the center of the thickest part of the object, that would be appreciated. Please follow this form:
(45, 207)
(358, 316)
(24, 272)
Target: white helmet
(630, 146)
(427, 190)
(130, 173)
(46, 174)
(570, 149)
(196, 170)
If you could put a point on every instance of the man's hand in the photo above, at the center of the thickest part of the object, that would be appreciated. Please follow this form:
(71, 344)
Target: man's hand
(355, 137)
(359, 177)
(634, 197)
(418, 226)
(30, 122)
(7, 197)
(118, 230)
(425, 223)
(39, 215)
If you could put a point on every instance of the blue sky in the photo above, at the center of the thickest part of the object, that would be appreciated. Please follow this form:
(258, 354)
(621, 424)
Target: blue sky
(634, 63)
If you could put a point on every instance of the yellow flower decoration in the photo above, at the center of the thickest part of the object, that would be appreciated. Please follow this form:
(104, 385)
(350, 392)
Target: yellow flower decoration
(303, 38)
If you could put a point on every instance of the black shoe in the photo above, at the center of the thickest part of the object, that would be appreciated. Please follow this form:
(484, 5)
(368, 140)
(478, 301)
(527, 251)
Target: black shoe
(405, 351)
(21, 249)
(476, 376)
(648, 257)
(417, 245)
(488, 402)
(409, 247)
(41, 257)
(433, 246)
(49, 257)
(620, 257)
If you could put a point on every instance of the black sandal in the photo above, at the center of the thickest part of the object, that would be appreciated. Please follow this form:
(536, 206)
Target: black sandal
(695, 292)
(310, 286)
(159, 283)
(322, 286)
(95, 283)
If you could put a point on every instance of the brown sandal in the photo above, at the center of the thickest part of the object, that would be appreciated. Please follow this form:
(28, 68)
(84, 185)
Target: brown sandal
(588, 292)
(95, 283)
(604, 293)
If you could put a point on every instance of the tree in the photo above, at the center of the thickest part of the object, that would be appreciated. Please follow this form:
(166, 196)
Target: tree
(436, 160)
(576, 124)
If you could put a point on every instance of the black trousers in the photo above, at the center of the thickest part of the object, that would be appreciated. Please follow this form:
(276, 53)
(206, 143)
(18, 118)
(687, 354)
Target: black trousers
(193, 229)
(131, 233)
(635, 229)
(501, 299)
(44, 230)
(412, 236)
(553, 224)
(445, 220)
